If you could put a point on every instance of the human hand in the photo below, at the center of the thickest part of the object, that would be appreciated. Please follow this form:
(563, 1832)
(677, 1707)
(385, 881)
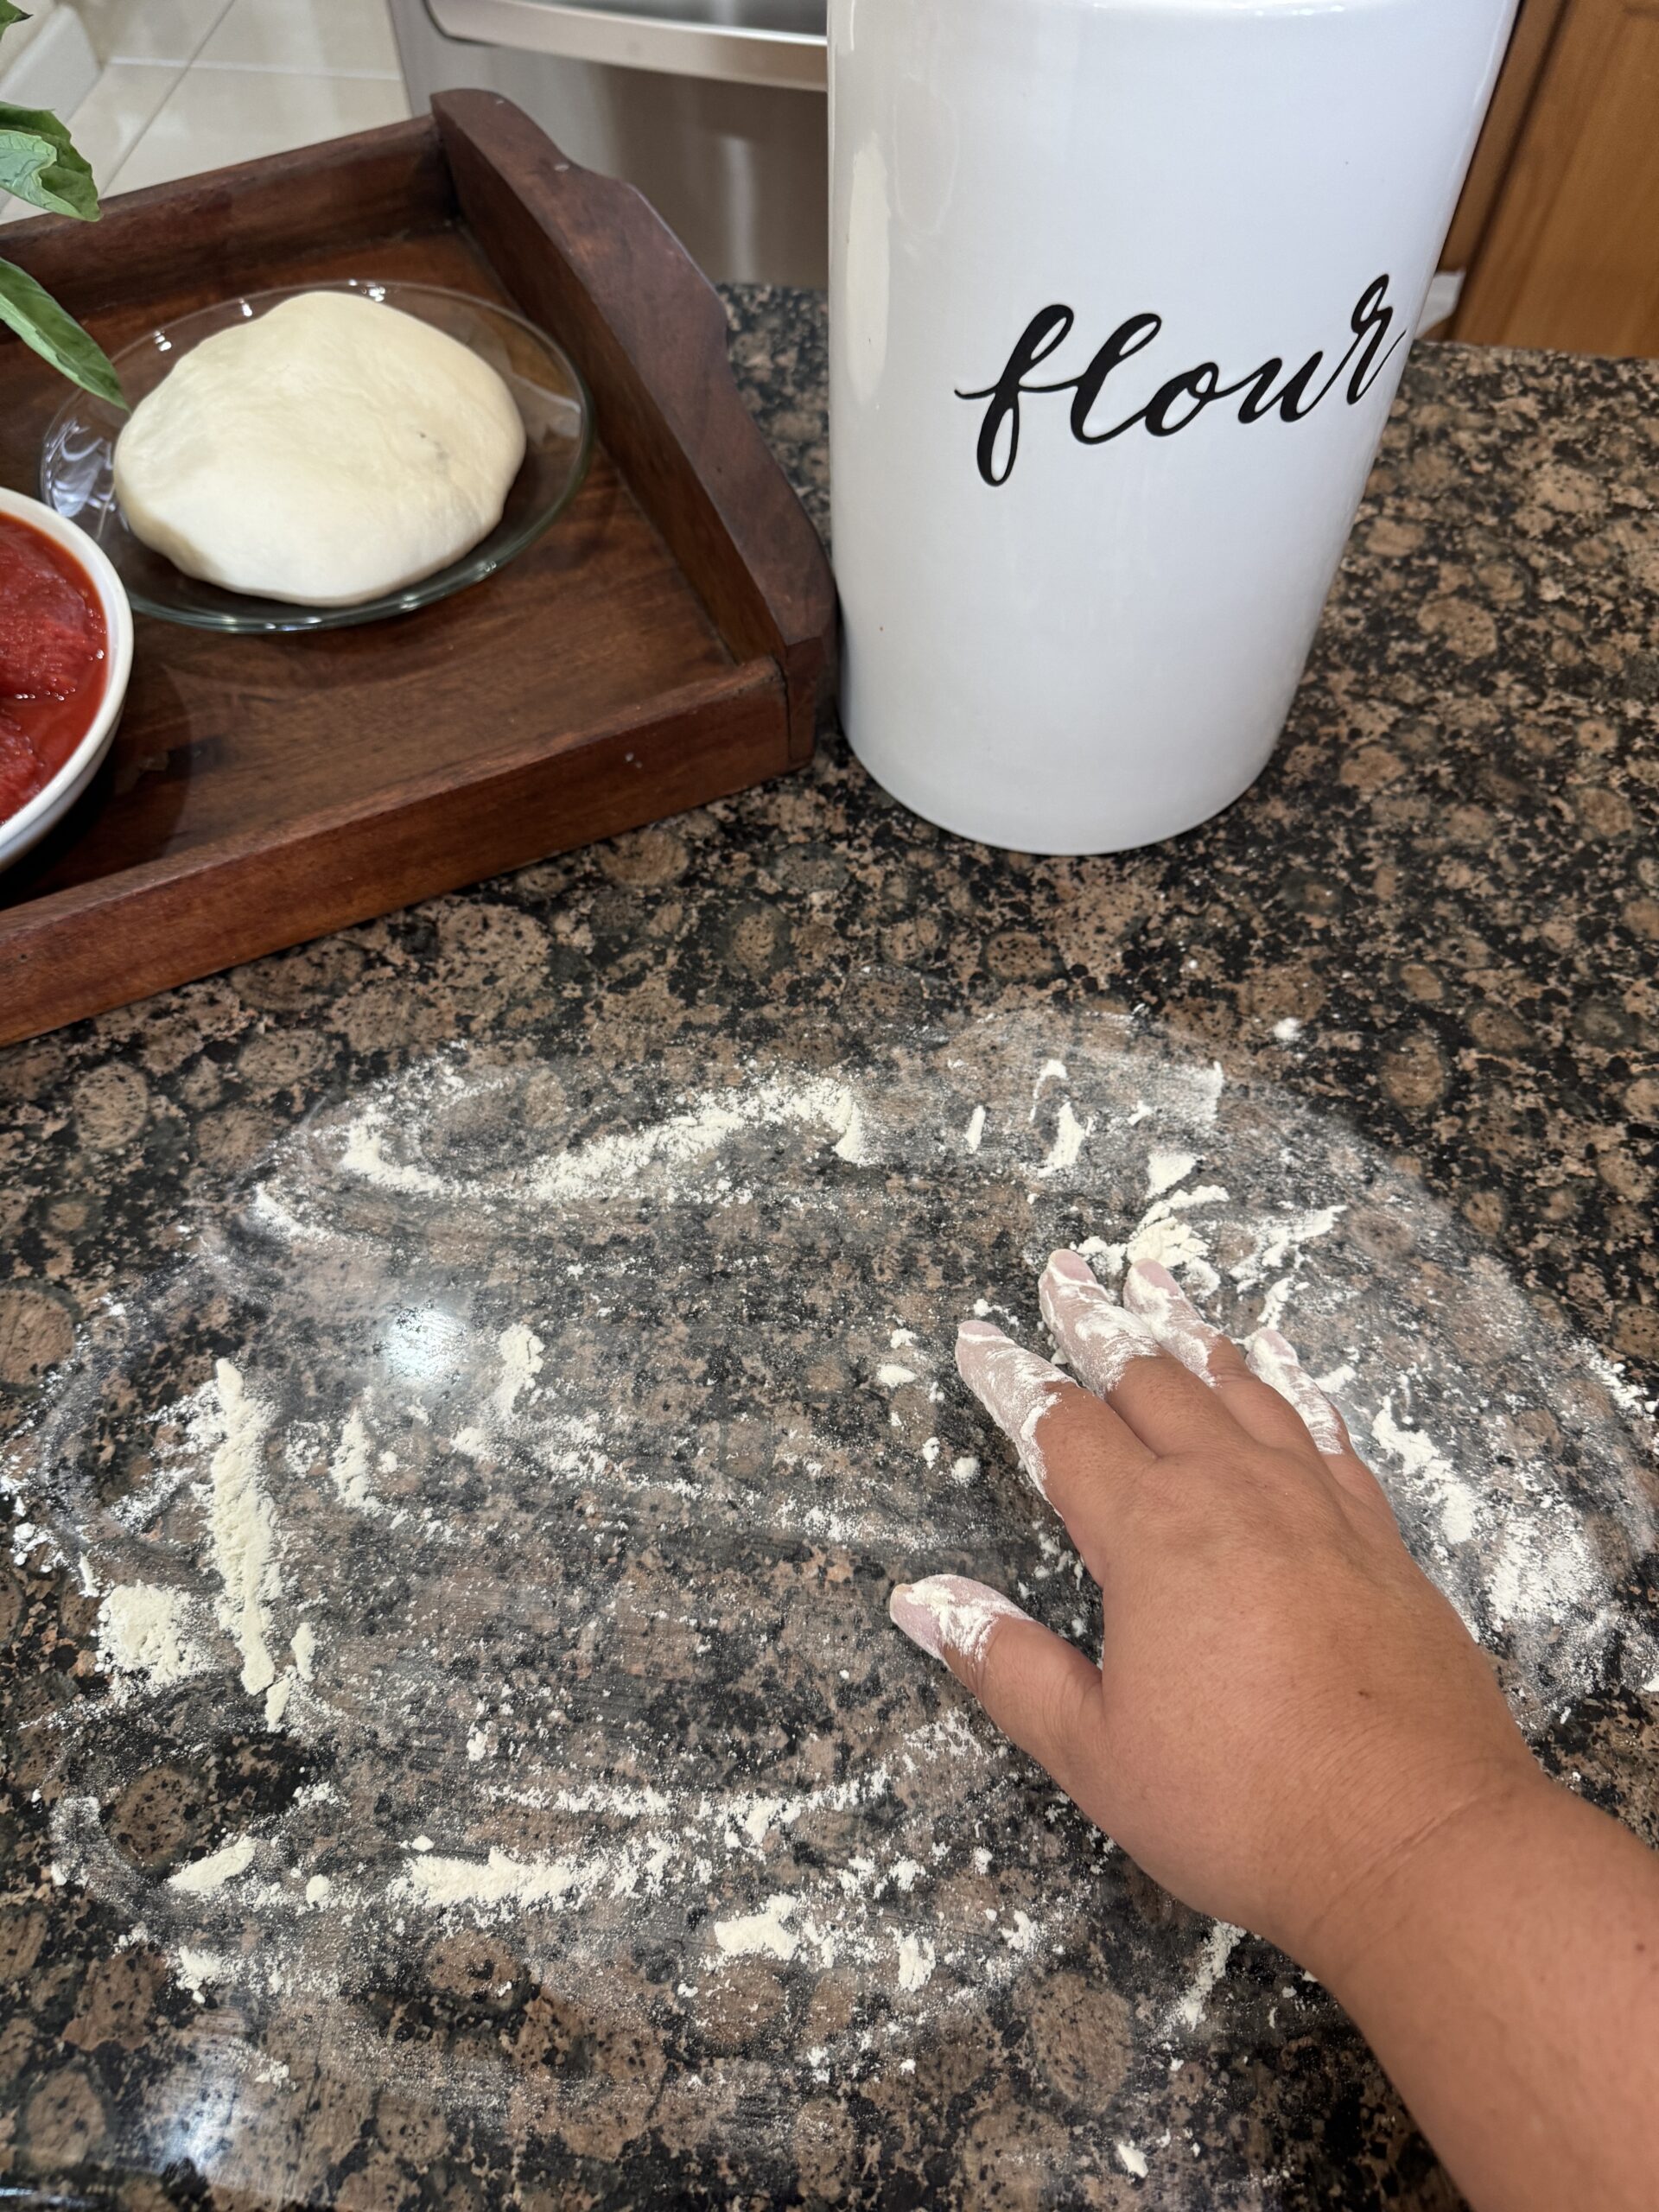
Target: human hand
(1286, 1710)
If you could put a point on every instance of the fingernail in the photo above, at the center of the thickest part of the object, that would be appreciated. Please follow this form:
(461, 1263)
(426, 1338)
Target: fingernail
(1100, 1337)
(1281, 1347)
(947, 1612)
(1152, 1293)
(1014, 1387)
(1070, 1267)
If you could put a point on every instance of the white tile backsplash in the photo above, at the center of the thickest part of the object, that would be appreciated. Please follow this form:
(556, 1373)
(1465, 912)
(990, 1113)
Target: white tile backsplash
(193, 85)
(213, 116)
(150, 30)
(327, 37)
(55, 66)
(121, 107)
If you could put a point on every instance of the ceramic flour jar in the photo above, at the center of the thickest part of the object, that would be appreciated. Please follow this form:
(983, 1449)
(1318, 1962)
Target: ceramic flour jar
(1121, 292)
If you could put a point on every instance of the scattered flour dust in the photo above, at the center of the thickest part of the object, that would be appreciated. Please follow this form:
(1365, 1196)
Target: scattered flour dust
(535, 1509)
(893, 1377)
(203, 1875)
(145, 1630)
(1413, 1452)
(1219, 1947)
(499, 1880)
(1071, 1135)
(242, 1527)
(612, 1163)
(198, 1970)
(916, 1962)
(350, 1467)
(521, 1363)
(1165, 1169)
(760, 1935)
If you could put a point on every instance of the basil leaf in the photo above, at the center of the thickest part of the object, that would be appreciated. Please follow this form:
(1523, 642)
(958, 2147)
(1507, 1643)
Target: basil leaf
(9, 15)
(38, 319)
(38, 163)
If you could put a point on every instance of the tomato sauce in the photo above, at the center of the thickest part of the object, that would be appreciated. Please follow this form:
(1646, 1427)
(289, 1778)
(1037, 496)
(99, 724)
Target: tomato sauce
(54, 656)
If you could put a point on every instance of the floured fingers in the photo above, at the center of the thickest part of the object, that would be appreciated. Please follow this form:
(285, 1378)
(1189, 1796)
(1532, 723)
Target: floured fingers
(1149, 1364)
(1274, 1362)
(1070, 1446)
(1151, 1293)
(1041, 1691)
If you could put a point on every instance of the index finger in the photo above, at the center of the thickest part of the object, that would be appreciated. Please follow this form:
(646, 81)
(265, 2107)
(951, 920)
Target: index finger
(1072, 1446)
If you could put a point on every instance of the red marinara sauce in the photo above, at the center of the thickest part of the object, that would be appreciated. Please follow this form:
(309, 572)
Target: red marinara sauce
(54, 658)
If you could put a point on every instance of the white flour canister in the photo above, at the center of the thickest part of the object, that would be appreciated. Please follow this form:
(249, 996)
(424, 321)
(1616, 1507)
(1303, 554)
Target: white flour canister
(1121, 292)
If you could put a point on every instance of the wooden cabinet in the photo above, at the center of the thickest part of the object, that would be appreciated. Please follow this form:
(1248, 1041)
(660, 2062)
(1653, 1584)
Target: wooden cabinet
(1559, 227)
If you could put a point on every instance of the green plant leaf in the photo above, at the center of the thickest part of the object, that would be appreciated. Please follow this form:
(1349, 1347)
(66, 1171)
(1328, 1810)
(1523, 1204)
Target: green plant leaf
(8, 15)
(38, 163)
(38, 319)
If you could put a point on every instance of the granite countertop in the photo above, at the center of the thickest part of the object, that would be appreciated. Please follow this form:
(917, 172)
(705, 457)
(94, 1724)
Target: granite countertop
(512, 1336)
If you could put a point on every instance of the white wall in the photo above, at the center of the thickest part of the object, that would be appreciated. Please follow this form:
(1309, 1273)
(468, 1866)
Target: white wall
(48, 61)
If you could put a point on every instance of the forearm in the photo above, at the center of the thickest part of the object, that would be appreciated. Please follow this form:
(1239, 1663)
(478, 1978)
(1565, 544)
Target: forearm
(1508, 1981)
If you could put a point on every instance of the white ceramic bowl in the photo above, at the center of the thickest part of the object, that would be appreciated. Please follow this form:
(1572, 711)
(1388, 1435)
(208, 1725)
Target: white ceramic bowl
(36, 815)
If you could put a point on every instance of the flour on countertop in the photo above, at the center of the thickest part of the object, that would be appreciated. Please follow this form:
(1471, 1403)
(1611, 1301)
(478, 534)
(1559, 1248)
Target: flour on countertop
(1070, 1137)
(350, 1467)
(242, 1527)
(145, 1630)
(1219, 1947)
(1414, 1451)
(762, 1934)
(521, 1363)
(204, 1876)
(1165, 1169)
(539, 1513)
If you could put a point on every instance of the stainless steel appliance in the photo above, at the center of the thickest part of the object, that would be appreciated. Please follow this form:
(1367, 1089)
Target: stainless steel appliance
(714, 109)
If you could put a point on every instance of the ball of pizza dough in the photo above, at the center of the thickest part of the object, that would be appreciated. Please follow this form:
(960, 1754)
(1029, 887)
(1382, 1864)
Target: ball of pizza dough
(329, 451)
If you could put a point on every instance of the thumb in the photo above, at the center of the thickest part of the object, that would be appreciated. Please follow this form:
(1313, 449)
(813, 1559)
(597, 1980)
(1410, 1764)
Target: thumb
(1039, 1689)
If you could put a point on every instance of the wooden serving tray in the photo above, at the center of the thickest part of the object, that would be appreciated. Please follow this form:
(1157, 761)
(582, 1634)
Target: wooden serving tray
(668, 641)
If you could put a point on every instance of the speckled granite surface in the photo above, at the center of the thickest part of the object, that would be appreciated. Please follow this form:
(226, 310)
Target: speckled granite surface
(1423, 950)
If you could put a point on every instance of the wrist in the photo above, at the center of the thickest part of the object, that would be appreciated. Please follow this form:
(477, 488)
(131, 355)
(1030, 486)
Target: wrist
(1455, 1848)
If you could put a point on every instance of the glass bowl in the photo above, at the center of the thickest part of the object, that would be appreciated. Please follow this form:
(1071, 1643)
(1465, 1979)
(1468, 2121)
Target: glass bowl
(77, 462)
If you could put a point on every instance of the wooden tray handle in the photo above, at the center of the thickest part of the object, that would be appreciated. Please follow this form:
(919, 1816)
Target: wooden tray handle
(586, 256)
